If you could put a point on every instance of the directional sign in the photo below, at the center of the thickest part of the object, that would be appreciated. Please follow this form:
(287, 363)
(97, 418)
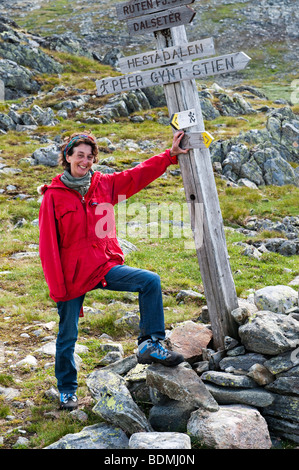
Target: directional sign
(162, 20)
(176, 73)
(196, 140)
(136, 8)
(184, 119)
(169, 55)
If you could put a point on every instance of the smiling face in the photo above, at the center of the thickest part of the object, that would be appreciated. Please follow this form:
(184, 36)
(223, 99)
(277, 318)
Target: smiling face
(81, 160)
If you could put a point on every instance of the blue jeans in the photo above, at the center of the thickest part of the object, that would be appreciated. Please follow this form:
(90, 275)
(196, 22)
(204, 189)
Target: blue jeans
(119, 278)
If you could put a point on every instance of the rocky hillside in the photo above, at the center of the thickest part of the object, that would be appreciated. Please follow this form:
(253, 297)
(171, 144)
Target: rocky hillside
(251, 26)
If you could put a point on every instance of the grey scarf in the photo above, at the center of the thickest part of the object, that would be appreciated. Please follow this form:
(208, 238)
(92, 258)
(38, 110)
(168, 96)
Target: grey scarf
(79, 184)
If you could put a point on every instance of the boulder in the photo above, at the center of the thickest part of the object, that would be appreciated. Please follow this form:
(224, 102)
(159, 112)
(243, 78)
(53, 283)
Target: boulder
(188, 339)
(47, 156)
(243, 362)
(171, 415)
(18, 80)
(285, 407)
(160, 440)
(231, 427)
(276, 298)
(115, 403)
(248, 396)
(182, 384)
(97, 436)
(270, 333)
(228, 380)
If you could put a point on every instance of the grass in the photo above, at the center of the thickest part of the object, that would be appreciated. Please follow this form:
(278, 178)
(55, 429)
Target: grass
(24, 299)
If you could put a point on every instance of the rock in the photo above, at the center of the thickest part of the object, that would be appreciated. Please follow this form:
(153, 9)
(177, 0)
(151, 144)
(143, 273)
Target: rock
(129, 321)
(180, 384)
(285, 386)
(159, 440)
(270, 333)
(281, 363)
(112, 56)
(188, 339)
(28, 360)
(21, 442)
(172, 415)
(47, 156)
(285, 407)
(252, 396)
(18, 80)
(283, 428)
(123, 366)
(111, 356)
(242, 362)
(6, 122)
(231, 427)
(228, 380)
(234, 105)
(9, 393)
(260, 374)
(116, 347)
(43, 117)
(279, 172)
(114, 401)
(97, 436)
(276, 298)
(241, 315)
(246, 182)
(189, 294)
(25, 254)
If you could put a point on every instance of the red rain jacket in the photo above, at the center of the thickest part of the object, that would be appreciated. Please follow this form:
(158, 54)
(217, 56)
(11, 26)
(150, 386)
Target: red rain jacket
(78, 243)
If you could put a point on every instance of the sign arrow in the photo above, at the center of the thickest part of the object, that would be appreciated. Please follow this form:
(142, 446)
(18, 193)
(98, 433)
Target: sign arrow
(173, 73)
(196, 140)
(168, 55)
(183, 119)
(136, 8)
(161, 20)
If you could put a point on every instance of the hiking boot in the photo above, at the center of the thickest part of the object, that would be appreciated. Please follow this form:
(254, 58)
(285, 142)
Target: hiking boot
(68, 401)
(152, 351)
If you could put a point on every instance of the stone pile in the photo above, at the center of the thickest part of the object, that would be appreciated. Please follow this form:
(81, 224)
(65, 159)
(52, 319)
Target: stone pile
(226, 399)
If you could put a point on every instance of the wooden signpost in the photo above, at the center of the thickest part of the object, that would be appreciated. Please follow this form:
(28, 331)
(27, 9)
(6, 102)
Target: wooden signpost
(177, 74)
(161, 20)
(196, 140)
(173, 73)
(169, 55)
(135, 8)
(183, 119)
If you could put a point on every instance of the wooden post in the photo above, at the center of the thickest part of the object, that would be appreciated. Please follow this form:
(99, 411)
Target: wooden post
(200, 187)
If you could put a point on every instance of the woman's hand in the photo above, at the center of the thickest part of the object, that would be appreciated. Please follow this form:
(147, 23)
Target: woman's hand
(176, 149)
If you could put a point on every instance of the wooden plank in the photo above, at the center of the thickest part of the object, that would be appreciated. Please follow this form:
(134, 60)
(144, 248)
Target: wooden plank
(184, 119)
(171, 74)
(134, 8)
(200, 188)
(196, 140)
(161, 20)
(169, 55)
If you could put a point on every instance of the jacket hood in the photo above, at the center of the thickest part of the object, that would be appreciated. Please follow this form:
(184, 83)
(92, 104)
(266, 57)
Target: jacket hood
(56, 182)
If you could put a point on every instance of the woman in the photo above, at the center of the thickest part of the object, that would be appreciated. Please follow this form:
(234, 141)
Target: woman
(79, 251)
